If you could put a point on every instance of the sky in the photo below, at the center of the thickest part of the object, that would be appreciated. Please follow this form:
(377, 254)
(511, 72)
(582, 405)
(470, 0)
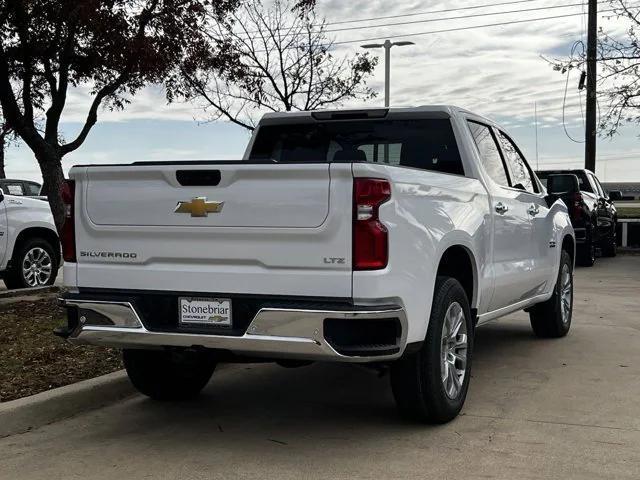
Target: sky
(499, 72)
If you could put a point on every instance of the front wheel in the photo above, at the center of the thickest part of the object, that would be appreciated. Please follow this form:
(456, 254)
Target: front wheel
(169, 375)
(34, 264)
(552, 319)
(431, 385)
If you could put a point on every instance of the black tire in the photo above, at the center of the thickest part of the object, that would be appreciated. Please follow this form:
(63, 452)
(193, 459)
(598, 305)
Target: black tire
(609, 247)
(14, 276)
(416, 379)
(587, 251)
(547, 318)
(169, 375)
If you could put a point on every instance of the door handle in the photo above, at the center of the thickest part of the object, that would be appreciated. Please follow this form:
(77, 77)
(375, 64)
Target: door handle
(533, 210)
(501, 208)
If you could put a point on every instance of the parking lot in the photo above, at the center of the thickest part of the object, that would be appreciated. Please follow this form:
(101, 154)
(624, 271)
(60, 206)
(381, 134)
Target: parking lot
(555, 409)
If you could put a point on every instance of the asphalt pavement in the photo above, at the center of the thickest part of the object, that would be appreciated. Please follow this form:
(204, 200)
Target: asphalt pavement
(554, 409)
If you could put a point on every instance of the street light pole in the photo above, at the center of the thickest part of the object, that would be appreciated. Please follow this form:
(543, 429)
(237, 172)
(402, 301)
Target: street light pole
(387, 76)
(387, 71)
(387, 64)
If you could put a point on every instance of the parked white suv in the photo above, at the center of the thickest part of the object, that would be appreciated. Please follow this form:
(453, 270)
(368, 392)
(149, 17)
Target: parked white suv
(29, 245)
(373, 236)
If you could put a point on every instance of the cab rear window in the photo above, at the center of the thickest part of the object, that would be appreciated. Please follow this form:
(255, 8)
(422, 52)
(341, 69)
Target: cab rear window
(428, 144)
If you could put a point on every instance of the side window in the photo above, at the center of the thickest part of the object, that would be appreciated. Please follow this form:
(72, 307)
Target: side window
(520, 173)
(13, 189)
(585, 184)
(489, 152)
(33, 189)
(597, 185)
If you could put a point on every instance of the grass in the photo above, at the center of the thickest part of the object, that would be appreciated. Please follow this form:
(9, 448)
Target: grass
(628, 212)
(33, 360)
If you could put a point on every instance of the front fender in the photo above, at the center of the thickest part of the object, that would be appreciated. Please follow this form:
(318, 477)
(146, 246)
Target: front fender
(562, 229)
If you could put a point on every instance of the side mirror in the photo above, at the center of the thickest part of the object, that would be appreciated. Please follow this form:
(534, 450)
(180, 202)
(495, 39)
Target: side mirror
(562, 184)
(615, 195)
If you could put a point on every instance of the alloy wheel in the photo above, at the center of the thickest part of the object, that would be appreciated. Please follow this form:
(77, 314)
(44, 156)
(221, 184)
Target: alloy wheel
(453, 350)
(37, 267)
(566, 293)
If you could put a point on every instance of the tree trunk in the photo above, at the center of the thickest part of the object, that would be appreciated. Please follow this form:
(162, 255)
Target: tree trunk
(3, 174)
(53, 177)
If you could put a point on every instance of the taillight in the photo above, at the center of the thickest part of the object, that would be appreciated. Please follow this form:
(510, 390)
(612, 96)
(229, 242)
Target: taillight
(576, 205)
(68, 234)
(370, 236)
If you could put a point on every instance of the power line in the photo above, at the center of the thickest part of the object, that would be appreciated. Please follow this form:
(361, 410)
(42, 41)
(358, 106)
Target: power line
(566, 88)
(430, 12)
(475, 15)
(414, 14)
(458, 29)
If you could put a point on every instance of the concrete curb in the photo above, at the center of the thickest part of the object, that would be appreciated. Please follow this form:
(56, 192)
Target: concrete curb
(25, 292)
(24, 414)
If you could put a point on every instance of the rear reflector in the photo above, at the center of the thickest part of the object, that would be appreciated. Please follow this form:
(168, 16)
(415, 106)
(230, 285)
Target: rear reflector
(68, 234)
(370, 236)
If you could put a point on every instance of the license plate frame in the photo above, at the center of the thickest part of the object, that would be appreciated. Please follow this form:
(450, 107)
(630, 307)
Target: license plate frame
(205, 311)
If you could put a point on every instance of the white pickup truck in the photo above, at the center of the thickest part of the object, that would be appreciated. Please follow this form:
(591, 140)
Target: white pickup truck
(29, 245)
(379, 236)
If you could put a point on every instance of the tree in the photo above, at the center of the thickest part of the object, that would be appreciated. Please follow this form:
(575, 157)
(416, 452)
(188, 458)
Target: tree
(7, 135)
(285, 63)
(618, 71)
(114, 48)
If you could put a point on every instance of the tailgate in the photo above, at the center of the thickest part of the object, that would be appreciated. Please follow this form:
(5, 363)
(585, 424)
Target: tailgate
(216, 228)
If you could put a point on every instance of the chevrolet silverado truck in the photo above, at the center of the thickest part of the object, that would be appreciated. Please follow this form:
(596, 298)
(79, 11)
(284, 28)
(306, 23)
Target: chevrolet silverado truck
(380, 236)
(29, 244)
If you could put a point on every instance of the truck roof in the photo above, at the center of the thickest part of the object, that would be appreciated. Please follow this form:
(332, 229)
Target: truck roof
(373, 112)
(564, 170)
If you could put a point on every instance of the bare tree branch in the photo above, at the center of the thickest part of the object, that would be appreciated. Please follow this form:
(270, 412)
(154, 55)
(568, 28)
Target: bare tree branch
(286, 62)
(619, 71)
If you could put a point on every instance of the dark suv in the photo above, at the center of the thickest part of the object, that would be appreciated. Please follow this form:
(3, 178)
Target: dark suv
(593, 215)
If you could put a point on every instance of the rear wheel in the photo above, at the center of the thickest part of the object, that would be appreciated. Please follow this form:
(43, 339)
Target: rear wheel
(34, 264)
(552, 319)
(169, 374)
(431, 385)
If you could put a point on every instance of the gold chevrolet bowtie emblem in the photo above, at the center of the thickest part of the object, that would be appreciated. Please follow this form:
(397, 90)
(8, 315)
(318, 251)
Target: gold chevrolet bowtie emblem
(199, 207)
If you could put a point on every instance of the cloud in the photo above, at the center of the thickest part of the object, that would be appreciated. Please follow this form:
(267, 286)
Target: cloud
(497, 71)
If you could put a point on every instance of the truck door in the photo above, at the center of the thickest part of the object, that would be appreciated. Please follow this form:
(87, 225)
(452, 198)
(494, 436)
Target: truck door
(542, 251)
(512, 229)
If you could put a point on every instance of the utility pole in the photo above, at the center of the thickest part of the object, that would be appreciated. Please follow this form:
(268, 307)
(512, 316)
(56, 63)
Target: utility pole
(592, 78)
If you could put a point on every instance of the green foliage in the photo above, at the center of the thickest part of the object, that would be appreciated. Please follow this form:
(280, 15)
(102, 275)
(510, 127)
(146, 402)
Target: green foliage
(112, 48)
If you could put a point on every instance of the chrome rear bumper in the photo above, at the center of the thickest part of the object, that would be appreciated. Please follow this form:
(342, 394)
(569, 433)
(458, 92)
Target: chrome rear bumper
(273, 333)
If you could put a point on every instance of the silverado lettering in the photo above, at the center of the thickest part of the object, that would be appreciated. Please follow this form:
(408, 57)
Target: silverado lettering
(109, 255)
